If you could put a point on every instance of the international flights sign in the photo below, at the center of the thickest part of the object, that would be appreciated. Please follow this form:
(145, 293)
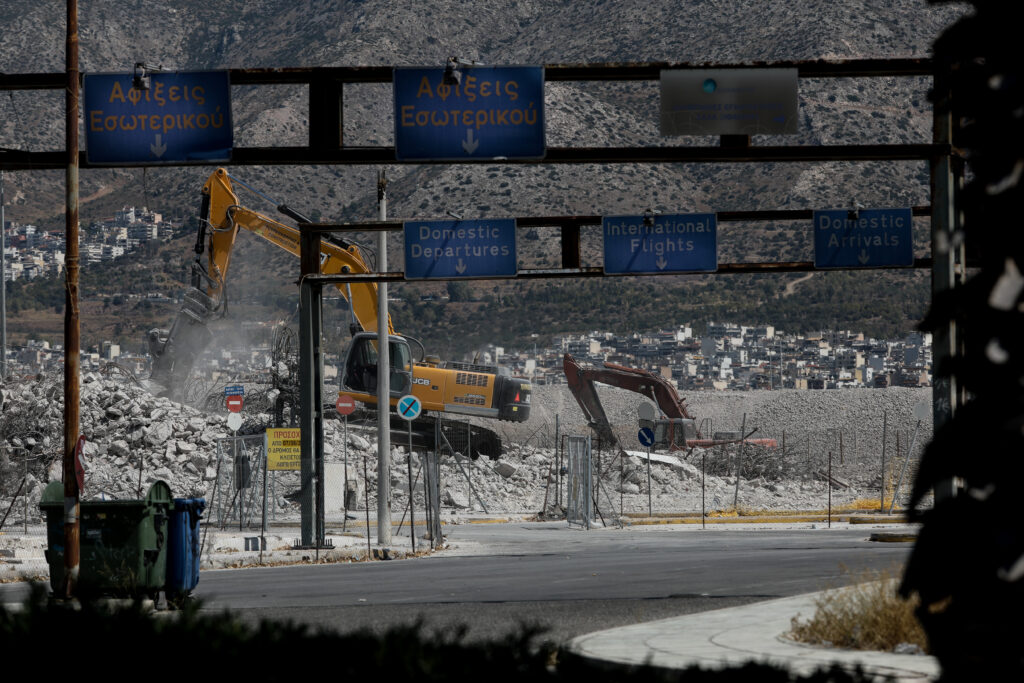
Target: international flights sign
(679, 243)
(489, 113)
(182, 117)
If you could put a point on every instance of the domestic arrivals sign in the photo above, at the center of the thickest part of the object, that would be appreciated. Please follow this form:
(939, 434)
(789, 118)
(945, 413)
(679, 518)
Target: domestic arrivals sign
(489, 112)
(677, 243)
(869, 238)
(181, 117)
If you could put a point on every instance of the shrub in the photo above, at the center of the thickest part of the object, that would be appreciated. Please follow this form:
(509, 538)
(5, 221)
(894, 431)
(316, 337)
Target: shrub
(869, 615)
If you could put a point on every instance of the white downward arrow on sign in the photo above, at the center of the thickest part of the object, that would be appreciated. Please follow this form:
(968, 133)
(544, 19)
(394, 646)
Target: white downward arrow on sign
(470, 143)
(157, 148)
(863, 258)
(460, 267)
(661, 263)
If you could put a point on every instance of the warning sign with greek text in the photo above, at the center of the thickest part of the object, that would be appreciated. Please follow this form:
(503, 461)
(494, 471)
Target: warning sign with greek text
(170, 118)
(470, 113)
(283, 451)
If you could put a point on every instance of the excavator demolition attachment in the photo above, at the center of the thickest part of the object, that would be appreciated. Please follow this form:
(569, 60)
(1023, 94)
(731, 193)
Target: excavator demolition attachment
(445, 388)
(677, 431)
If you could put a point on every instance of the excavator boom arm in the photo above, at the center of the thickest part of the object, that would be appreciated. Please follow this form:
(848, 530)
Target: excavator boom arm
(227, 216)
(581, 379)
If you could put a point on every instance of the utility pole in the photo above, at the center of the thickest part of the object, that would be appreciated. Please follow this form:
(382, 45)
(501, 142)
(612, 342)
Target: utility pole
(71, 322)
(383, 377)
(3, 285)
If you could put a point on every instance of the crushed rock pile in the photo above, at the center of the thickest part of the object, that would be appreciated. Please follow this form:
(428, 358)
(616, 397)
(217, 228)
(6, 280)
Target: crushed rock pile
(127, 427)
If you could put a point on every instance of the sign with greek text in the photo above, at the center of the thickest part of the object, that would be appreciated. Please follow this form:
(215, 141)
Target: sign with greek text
(729, 102)
(460, 249)
(283, 449)
(677, 243)
(182, 117)
(869, 238)
(484, 113)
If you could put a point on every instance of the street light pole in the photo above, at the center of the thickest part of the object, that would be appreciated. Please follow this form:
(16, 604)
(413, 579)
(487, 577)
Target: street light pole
(3, 285)
(383, 378)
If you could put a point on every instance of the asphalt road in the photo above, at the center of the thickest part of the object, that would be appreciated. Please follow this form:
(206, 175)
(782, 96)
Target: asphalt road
(567, 582)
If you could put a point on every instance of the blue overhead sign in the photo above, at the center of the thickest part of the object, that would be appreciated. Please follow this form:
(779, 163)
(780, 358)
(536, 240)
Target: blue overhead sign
(457, 249)
(869, 238)
(489, 113)
(182, 117)
(679, 243)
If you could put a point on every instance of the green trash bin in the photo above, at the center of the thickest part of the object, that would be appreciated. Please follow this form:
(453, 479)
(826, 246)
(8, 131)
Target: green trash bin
(122, 543)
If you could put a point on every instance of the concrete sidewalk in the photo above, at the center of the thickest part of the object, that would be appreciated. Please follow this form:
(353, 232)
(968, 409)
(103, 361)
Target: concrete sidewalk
(737, 635)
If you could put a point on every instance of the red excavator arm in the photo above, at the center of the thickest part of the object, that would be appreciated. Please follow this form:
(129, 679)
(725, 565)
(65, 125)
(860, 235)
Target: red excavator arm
(581, 379)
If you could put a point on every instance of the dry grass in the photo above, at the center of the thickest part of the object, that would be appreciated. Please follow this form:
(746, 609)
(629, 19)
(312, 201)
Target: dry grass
(868, 615)
(868, 504)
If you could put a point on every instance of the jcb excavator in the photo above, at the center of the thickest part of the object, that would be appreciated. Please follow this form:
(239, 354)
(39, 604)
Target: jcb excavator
(677, 431)
(442, 387)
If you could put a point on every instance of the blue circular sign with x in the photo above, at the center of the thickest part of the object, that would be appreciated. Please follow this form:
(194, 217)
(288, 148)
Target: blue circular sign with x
(409, 407)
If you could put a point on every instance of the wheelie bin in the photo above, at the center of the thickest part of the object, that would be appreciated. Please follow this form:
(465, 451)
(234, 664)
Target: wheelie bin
(122, 543)
(183, 552)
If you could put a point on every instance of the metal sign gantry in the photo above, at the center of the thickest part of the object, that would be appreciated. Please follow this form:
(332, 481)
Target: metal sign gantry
(326, 147)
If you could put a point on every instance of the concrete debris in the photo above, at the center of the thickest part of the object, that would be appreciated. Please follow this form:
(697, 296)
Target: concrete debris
(505, 469)
(126, 427)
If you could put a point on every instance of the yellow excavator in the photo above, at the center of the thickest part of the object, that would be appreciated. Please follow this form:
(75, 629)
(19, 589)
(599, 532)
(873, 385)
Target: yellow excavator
(443, 387)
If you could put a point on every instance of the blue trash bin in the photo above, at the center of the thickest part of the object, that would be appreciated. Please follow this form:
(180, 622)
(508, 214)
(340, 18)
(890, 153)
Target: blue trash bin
(183, 549)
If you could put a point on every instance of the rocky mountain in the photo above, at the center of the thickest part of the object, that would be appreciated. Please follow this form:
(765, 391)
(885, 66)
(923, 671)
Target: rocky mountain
(185, 34)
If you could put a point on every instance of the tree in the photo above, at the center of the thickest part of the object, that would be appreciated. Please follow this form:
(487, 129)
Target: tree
(968, 563)
(459, 291)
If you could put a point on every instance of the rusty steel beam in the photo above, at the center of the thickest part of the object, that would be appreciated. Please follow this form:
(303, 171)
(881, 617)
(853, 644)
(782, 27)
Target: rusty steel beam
(72, 339)
(368, 156)
(625, 71)
(597, 271)
(583, 220)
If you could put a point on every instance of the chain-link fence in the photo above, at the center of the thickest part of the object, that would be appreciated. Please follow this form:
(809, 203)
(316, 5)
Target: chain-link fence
(860, 469)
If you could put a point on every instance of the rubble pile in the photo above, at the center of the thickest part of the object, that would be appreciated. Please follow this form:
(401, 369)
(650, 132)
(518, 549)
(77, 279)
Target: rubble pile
(135, 438)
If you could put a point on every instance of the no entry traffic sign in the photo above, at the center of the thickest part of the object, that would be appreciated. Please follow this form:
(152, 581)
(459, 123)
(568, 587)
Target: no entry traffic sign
(234, 403)
(345, 404)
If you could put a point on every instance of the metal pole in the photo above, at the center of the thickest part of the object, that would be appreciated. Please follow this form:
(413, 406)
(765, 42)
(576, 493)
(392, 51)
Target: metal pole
(945, 221)
(366, 499)
(739, 463)
(830, 489)
(344, 495)
(263, 522)
(71, 321)
(558, 466)
(3, 285)
(910, 453)
(383, 377)
(412, 518)
(885, 423)
(426, 498)
(25, 499)
(240, 473)
(703, 483)
(650, 509)
(311, 433)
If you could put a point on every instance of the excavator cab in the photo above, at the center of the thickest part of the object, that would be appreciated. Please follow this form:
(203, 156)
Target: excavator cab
(674, 433)
(359, 369)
